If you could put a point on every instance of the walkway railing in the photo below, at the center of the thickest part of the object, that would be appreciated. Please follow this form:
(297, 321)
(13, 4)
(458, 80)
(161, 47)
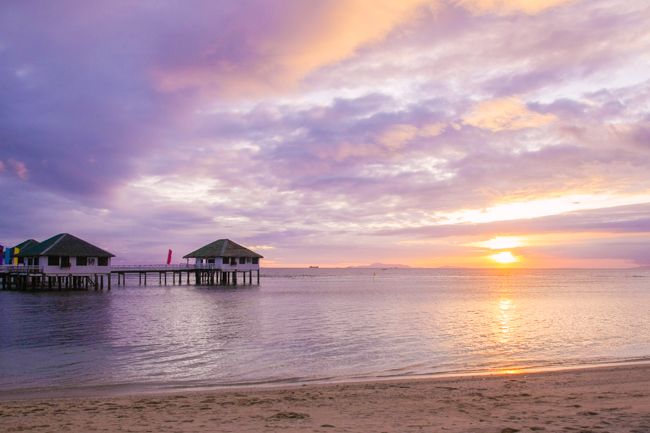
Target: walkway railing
(21, 268)
(162, 268)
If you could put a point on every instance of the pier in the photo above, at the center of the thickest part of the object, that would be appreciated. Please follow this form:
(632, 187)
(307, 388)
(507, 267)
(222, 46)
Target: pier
(198, 274)
(23, 277)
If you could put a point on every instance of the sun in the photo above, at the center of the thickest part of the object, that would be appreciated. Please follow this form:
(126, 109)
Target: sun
(504, 257)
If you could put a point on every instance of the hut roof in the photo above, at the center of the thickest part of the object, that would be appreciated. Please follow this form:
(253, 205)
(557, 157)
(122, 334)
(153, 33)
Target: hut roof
(26, 244)
(222, 248)
(65, 244)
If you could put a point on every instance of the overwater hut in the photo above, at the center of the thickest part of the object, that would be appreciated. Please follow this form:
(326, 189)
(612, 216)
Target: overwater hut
(69, 261)
(227, 258)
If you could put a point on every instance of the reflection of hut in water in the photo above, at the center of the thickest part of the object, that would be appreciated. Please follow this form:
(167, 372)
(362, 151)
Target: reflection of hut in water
(227, 258)
(66, 260)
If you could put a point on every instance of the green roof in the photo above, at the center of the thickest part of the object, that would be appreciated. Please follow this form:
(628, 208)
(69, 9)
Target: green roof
(222, 248)
(64, 244)
(29, 243)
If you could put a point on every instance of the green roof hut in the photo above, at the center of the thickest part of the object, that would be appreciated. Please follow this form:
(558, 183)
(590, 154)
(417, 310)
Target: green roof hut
(65, 254)
(228, 258)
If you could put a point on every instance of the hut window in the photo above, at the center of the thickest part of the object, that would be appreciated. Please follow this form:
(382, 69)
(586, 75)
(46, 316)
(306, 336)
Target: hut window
(256, 261)
(102, 261)
(210, 260)
(82, 261)
(233, 261)
(53, 261)
(226, 260)
(249, 260)
(36, 261)
(242, 260)
(65, 262)
(21, 260)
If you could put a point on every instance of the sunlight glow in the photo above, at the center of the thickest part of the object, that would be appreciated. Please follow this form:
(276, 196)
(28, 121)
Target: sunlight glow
(504, 257)
(539, 208)
(500, 243)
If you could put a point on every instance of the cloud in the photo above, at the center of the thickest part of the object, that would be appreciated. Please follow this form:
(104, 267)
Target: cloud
(19, 169)
(272, 48)
(510, 6)
(505, 114)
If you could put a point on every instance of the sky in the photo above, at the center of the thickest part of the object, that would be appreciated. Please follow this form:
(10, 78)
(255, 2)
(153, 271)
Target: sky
(428, 133)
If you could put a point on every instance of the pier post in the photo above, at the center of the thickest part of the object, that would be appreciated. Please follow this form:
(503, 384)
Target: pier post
(258, 276)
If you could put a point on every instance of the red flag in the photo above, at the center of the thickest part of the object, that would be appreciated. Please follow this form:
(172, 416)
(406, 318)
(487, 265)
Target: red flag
(169, 257)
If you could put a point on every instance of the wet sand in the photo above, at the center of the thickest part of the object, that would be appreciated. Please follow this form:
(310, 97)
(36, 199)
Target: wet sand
(605, 399)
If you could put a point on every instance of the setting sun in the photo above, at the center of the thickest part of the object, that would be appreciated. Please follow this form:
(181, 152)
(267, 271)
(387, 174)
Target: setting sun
(504, 257)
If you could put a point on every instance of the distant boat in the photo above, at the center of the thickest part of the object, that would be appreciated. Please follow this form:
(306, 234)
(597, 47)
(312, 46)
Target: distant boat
(313, 267)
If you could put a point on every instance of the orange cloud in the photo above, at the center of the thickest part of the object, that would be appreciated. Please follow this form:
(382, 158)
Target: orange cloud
(311, 37)
(506, 114)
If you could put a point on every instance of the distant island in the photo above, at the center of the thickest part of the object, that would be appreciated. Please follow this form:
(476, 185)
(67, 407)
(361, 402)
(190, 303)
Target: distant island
(380, 265)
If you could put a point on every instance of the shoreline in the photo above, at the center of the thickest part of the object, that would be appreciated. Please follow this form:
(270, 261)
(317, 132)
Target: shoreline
(124, 390)
(593, 398)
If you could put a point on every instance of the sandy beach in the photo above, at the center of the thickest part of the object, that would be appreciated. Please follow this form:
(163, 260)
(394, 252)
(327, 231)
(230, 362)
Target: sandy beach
(604, 399)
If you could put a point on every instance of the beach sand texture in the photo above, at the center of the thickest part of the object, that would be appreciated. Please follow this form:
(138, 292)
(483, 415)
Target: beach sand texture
(605, 399)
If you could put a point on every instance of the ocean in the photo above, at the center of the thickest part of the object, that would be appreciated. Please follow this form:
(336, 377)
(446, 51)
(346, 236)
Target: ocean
(311, 325)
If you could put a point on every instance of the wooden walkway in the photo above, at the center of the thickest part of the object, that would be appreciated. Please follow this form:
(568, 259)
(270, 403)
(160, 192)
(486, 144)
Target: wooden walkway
(23, 277)
(203, 275)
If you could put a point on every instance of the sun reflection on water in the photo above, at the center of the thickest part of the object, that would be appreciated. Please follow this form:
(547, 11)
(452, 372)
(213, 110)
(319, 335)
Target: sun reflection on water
(505, 305)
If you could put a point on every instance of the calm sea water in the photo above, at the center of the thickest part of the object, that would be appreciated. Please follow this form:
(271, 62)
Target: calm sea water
(302, 325)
